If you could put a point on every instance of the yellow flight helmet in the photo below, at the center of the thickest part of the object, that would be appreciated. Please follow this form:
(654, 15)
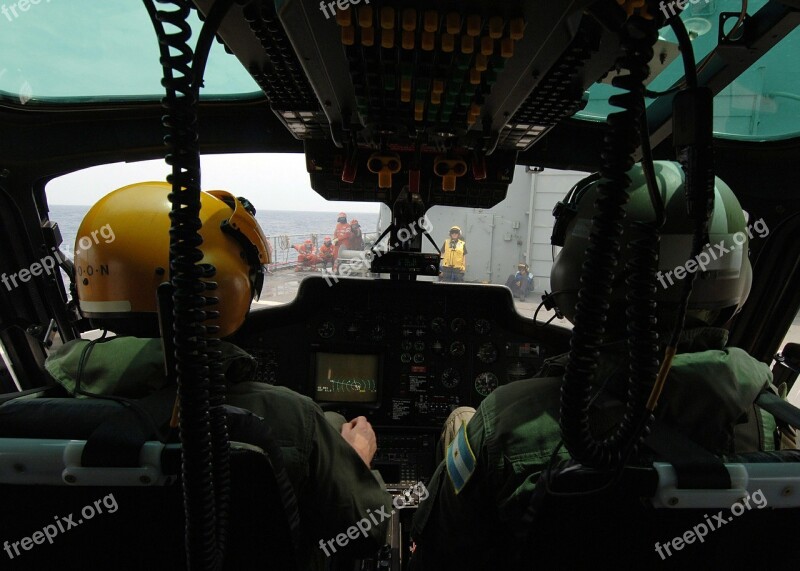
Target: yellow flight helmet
(122, 256)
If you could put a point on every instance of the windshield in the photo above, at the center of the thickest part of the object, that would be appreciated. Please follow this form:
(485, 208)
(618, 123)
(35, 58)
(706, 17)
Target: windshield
(762, 104)
(288, 210)
(52, 41)
(60, 36)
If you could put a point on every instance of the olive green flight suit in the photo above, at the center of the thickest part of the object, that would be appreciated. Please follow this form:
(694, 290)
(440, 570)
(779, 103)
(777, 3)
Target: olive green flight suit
(334, 488)
(516, 429)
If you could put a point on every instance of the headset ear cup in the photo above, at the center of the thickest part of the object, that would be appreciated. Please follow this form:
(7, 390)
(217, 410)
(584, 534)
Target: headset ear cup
(565, 210)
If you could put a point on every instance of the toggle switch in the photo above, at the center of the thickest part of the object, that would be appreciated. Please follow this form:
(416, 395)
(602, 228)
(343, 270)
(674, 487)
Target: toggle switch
(449, 170)
(384, 165)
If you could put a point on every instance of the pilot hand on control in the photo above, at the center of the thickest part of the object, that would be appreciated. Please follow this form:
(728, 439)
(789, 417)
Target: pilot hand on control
(359, 434)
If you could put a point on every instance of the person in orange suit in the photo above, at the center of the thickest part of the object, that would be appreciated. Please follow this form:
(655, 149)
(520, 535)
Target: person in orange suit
(306, 256)
(341, 236)
(325, 254)
(356, 241)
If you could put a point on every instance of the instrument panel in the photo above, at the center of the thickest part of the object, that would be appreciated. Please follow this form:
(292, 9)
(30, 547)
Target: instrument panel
(402, 353)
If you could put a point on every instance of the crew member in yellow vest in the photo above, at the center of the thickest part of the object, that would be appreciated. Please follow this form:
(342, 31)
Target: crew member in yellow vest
(454, 257)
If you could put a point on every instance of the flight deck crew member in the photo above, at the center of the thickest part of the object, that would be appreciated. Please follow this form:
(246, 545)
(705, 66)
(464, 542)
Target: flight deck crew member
(480, 492)
(521, 282)
(341, 235)
(356, 241)
(306, 256)
(327, 466)
(454, 257)
(325, 253)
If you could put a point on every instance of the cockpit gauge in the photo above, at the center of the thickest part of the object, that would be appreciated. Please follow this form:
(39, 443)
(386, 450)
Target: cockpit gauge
(457, 349)
(378, 332)
(450, 378)
(326, 330)
(438, 324)
(483, 326)
(485, 383)
(458, 325)
(406, 345)
(487, 353)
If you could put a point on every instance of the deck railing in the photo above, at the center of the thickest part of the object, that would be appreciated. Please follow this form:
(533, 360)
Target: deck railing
(284, 256)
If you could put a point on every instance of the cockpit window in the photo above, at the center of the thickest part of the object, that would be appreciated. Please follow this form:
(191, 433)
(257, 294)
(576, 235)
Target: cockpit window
(82, 50)
(295, 220)
(509, 244)
(762, 104)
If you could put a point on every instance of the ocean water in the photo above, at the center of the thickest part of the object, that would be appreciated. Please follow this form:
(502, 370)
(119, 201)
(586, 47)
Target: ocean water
(274, 224)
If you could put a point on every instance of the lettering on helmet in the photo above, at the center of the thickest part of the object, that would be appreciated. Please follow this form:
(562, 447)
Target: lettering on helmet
(90, 270)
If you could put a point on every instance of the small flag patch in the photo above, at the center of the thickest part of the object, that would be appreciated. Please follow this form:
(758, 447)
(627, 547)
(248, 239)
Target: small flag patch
(460, 459)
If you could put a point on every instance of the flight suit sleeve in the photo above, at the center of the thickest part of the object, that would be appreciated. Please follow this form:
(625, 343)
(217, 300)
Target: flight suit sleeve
(448, 526)
(352, 508)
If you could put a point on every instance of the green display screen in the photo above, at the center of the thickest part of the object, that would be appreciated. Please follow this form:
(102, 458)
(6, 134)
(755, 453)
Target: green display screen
(347, 378)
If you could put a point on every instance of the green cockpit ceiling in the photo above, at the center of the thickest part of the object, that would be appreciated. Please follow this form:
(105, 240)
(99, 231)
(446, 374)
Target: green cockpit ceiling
(59, 51)
(48, 44)
(762, 104)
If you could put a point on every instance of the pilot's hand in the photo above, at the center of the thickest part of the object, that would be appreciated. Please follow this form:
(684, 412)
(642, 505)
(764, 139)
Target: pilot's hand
(359, 434)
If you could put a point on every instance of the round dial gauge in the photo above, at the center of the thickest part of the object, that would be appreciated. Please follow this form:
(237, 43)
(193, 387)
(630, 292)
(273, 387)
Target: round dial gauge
(482, 326)
(485, 383)
(326, 330)
(438, 324)
(378, 332)
(450, 378)
(458, 325)
(406, 345)
(487, 353)
(457, 349)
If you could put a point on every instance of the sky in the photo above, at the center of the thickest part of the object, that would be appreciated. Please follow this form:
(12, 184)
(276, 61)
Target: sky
(269, 181)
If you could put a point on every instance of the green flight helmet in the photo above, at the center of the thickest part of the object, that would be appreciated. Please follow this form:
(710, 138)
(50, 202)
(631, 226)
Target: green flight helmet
(724, 274)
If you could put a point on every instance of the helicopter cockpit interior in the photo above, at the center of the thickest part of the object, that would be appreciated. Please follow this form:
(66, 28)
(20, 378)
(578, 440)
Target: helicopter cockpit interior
(413, 105)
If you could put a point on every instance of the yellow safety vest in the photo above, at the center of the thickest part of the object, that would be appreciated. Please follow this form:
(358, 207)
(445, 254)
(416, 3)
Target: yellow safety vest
(454, 257)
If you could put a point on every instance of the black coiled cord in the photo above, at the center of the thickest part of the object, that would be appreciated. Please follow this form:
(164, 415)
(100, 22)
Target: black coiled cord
(201, 382)
(220, 440)
(597, 274)
(193, 371)
(643, 340)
